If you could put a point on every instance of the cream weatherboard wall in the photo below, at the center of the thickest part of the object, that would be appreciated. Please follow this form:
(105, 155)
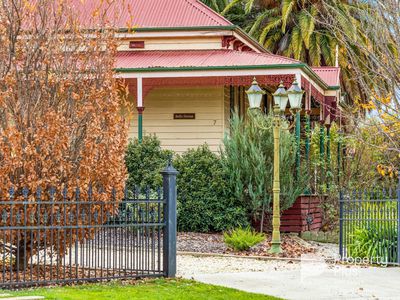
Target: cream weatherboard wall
(207, 103)
(174, 43)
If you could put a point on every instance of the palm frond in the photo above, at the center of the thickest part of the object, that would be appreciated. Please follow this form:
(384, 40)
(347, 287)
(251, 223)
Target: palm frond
(273, 39)
(287, 6)
(259, 19)
(315, 49)
(296, 43)
(307, 25)
(328, 49)
(230, 6)
(249, 6)
(274, 23)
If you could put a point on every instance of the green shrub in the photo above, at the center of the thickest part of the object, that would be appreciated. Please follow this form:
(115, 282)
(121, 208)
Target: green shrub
(205, 204)
(145, 161)
(378, 245)
(374, 234)
(242, 239)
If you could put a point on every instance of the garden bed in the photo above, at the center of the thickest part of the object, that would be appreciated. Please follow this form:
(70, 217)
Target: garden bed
(292, 245)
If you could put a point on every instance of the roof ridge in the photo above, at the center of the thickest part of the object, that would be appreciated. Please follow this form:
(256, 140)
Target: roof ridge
(212, 17)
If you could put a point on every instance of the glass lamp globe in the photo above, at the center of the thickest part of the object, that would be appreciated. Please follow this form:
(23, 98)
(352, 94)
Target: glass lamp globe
(281, 97)
(295, 94)
(255, 94)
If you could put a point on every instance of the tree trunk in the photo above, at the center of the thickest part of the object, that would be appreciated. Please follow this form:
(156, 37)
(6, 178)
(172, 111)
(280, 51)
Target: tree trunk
(262, 218)
(21, 257)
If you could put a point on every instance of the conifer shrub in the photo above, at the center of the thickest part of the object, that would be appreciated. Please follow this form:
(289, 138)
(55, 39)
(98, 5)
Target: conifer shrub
(248, 159)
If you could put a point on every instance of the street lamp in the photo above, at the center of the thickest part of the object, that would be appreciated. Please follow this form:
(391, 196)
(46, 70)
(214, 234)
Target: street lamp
(255, 94)
(281, 98)
(295, 94)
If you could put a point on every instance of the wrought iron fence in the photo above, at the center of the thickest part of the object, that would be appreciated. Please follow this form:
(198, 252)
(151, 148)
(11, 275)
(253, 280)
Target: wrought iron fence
(370, 226)
(65, 236)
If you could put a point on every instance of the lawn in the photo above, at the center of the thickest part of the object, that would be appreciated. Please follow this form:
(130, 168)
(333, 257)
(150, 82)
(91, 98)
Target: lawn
(154, 289)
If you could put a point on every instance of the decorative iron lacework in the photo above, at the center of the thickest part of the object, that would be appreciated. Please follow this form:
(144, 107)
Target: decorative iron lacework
(266, 80)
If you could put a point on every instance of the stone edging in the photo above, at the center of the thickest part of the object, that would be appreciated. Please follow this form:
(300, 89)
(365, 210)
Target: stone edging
(256, 257)
(264, 258)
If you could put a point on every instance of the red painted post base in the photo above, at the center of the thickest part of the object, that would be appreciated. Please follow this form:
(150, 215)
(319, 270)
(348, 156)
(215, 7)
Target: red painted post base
(304, 215)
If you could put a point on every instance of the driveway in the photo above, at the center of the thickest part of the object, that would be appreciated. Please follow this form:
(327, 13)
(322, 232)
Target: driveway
(310, 278)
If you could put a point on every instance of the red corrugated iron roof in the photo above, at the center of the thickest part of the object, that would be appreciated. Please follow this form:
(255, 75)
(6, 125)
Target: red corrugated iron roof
(196, 58)
(152, 13)
(330, 75)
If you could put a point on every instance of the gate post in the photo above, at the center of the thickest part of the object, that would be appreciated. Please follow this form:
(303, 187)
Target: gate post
(169, 235)
(341, 225)
(398, 219)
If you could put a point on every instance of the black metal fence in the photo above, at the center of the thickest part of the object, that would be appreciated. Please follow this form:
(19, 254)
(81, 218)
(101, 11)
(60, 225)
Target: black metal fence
(53, 238)
(370, 226)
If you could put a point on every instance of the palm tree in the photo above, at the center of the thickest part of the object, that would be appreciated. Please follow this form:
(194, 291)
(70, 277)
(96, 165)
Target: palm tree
(297, 29)
(217, 5)
(235, 13)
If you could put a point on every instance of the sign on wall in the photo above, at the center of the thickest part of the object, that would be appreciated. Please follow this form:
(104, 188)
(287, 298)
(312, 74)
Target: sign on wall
(136, 44)
(185, 116)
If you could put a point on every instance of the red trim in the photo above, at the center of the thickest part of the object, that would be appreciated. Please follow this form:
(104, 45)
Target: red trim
(227, 40)
(314, 92)
(140, 109)
(231, 42)
(265, 80)
(329, 108)
(328, 103)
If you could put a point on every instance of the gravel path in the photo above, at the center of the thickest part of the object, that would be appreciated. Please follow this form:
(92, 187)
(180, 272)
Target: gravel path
(326, 250)
(189, 266)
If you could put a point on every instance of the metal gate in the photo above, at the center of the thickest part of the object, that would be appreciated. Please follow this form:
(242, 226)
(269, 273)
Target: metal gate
(52, 237)
(370, 226)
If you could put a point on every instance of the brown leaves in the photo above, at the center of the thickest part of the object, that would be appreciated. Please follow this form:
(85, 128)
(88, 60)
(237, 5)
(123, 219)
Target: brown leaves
(60, 105)
(292, 246)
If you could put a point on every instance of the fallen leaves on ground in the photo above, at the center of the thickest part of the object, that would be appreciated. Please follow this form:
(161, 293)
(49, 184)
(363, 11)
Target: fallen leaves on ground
(292, 246)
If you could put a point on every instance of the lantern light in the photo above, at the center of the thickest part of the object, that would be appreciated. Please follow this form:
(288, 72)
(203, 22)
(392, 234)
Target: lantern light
(295, 94)
(255, 94)
(281, 97)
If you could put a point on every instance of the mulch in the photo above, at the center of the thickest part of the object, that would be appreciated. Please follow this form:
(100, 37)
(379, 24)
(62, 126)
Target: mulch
(292, 246)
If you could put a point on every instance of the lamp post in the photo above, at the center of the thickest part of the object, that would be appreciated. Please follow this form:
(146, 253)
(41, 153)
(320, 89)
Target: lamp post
(295, 94)
(281, 97)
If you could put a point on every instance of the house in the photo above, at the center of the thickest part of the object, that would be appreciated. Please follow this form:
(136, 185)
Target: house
(188, 67)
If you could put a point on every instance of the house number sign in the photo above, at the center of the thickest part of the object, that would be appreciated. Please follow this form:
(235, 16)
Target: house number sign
(184, 116)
